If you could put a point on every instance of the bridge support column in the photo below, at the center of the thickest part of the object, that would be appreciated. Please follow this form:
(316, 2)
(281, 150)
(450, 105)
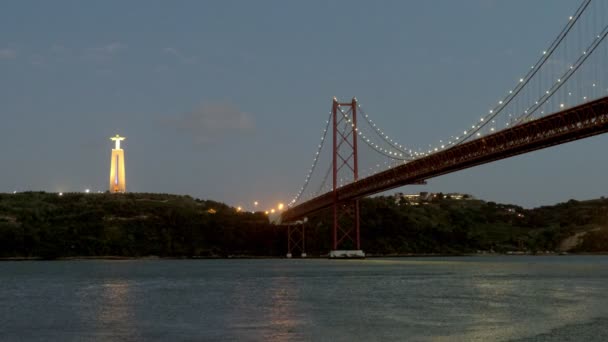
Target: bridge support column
(296, 240)
(346, 231)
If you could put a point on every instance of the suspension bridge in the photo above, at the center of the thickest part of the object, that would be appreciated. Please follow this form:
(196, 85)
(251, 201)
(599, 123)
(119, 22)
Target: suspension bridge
(560, 98)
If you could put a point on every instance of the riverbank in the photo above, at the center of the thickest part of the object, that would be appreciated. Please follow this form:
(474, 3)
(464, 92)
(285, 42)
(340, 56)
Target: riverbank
(325, 256)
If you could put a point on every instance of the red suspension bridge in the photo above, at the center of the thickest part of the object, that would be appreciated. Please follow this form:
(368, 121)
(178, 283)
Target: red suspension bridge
(562, 97)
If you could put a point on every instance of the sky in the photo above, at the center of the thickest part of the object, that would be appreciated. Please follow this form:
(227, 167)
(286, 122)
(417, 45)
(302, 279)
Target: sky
(225, 100)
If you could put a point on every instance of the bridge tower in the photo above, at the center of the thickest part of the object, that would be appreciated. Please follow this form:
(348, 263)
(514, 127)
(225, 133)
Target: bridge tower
(346, 242)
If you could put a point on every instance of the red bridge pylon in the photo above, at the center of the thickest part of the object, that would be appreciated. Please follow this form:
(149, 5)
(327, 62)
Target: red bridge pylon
(346, 229)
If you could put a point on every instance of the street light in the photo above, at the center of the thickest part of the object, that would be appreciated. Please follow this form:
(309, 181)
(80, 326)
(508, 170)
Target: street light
(280, 206)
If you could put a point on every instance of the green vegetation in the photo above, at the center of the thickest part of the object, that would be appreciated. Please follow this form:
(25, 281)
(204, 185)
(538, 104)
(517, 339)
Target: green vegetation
(37, 224)
(447, 226)
(47, 225)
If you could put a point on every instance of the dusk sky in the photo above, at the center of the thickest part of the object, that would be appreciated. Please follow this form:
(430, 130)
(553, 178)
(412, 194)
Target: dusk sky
(226, 100)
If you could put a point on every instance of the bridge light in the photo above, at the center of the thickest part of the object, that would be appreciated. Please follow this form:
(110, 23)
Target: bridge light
(561, 105)
(521, 80)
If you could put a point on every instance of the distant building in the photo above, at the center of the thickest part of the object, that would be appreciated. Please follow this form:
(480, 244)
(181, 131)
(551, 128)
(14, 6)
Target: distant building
(118, 182)
(458, 196)
(425, 197)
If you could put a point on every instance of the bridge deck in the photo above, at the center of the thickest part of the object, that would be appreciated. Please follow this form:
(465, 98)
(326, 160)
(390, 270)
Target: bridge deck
(568, 125)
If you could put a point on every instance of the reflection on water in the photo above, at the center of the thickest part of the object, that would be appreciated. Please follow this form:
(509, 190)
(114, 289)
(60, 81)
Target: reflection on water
(284, 314)
(115, 310)
(266, 307)
(430, 299)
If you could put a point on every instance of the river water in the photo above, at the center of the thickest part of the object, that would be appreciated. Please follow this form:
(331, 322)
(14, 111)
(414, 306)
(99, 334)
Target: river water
(520, 298)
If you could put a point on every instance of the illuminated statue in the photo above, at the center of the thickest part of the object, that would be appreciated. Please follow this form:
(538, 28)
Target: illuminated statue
(118, 182)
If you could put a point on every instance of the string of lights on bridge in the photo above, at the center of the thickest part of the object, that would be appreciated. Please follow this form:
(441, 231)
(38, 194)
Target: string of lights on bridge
(385, 136)
(398, 153)
(376, 147)
(562, 80)
(559, 82)
(521, 84)
(314, 163)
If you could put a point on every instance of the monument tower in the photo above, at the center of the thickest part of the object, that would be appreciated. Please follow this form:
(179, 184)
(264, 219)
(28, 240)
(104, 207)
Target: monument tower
(118, 182)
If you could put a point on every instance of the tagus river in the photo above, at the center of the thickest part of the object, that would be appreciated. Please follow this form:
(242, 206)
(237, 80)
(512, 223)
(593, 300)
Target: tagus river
(520, 298)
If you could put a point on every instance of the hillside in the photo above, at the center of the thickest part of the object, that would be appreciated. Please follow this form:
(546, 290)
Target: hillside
(37, 224)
